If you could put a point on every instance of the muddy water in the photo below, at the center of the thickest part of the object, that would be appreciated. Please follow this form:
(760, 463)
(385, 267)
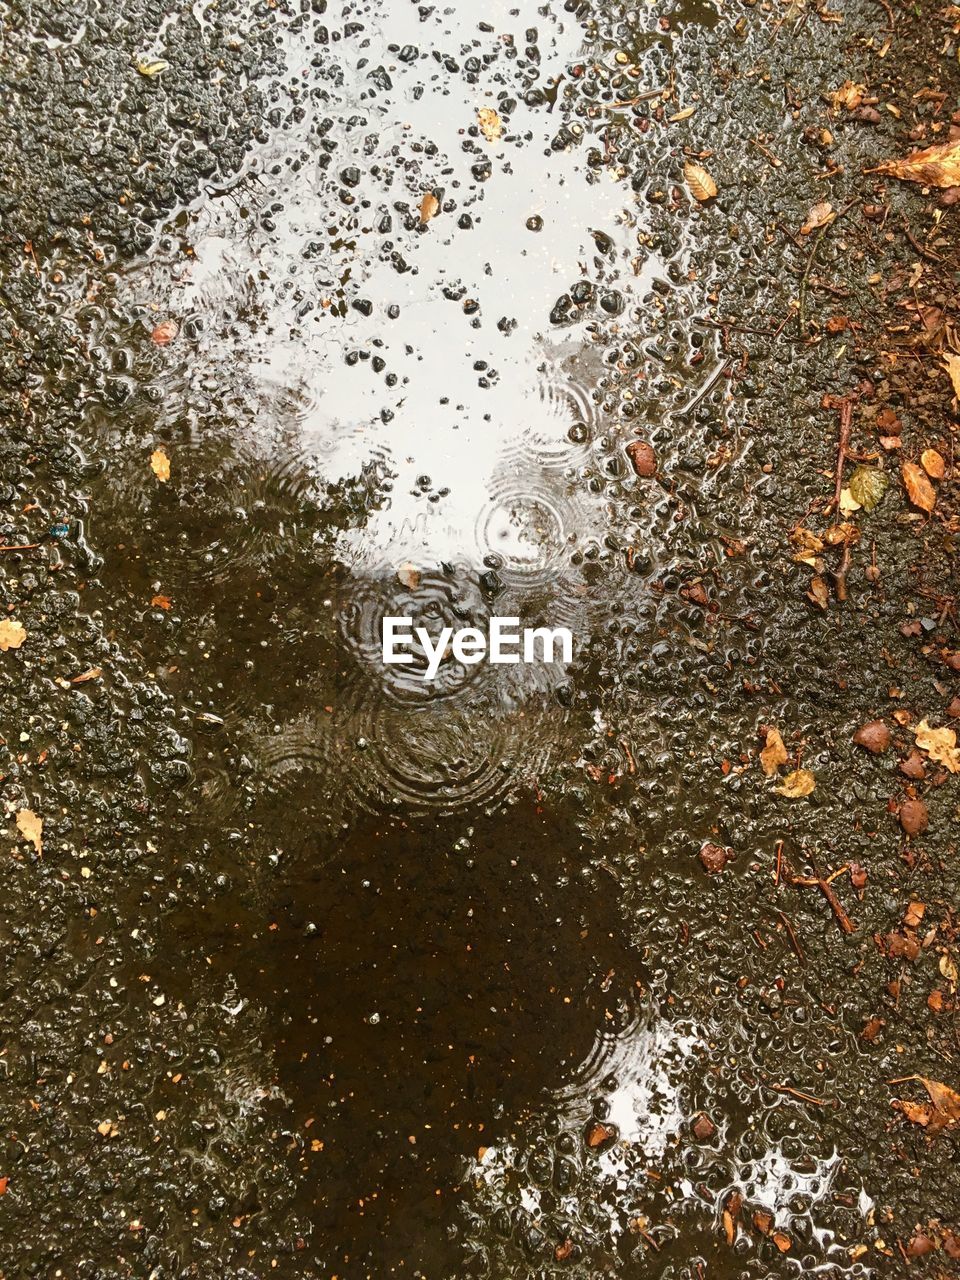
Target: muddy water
(454, 946)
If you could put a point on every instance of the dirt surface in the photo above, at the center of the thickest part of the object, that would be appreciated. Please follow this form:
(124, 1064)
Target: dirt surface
(642, 967)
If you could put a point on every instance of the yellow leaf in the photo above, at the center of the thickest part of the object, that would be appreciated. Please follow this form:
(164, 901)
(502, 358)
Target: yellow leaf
(939, 744)
(702, 186)
(919, 489)
(797, 784)
(952, 366)
(429, 206)
(31, 828)
(937, 166)
(160, 465)
(151, 67)
(774, 753)
(933, 464)
(491, 126)
(12, 634)
(685, 114)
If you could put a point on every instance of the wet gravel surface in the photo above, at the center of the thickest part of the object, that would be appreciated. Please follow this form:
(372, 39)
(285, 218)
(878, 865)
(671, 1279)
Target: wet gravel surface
(321, 970)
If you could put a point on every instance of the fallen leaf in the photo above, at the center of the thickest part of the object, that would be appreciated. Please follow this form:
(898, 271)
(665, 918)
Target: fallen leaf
(819, 592)
(685, 114)
(774, 753)
(782, 1241)
(948, 969)
(797, 784)
(12, 634)
(913, 817)
(702, 186)
(874, 736)
(808, 546)
(821, 215)
(92, 673)
(919, 489)
(849, 95)
(937, 166)
(946, 1104)
(714, 858)
(491, 126)
(703, 1127)
(160, 465)
(409, 576)
(848, 503)
(939, 744)
(161, 602)
(599, 1134)
(31, 828)
(914, 914)
(150, 67)
(429, 207)
(867, 486)
(642, 458)
(165, 332)
(933, 464)
(4, 1182)
(952, 365)
(563, 1251)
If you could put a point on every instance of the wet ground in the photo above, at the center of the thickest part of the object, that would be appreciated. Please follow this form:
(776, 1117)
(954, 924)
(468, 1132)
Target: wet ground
(320, 969)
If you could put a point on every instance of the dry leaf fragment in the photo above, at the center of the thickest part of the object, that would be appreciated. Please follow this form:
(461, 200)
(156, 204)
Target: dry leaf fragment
(945, 1109)
(161, 602)
(429, 207)
(601, 1135)
(933, 464)
(797, 784)
(919, 489)
(819, 216)
(702, 186)
(165, 332)
(491, 126)
(819, 592)
(92, 673)
(31, 828)
(952, 365)
(685, 114)
(774, 753)
(12, 634)
(408, 576)
(151, 67)
(160, 465)
(849, 95)
(937, 166)
(939, 744)
(949, 970)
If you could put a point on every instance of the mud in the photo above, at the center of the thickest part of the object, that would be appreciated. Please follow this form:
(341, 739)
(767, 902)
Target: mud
(327, 971)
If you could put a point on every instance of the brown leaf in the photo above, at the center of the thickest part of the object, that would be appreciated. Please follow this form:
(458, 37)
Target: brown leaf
(92, 673)
(952, 365)
(819, 593)
(937, 166)
(763, 1221)
(874, 736)
(702, 186)
(600, 1135)
(563, 1251)
(642, 458)
(914, 914)
(491, 126)
(408, 576)
(703, 1127)
(161, 602)
(797, 784)
(31, 828)
(160, 465)
(12, 634)
(714, 858)
(429, 207)
(819, 216)
(774, 753)
(913, 817)
(933, 464)
(782, 1241)
(946, 1104)
(912, 766)
(165, 332)
(919, 489)
(939, 744)
(849, 95)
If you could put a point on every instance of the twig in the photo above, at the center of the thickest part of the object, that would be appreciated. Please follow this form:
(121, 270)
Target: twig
(802, 304)
(25, 546)
(792, 935)
(846, 421)
(632, 102)
(798, 1093)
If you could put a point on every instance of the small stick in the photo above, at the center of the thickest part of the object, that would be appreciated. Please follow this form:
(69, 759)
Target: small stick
(846, 422)
(26, 546)
(797, 1093)
(792, 935)
(779, 874)
(632, 102)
